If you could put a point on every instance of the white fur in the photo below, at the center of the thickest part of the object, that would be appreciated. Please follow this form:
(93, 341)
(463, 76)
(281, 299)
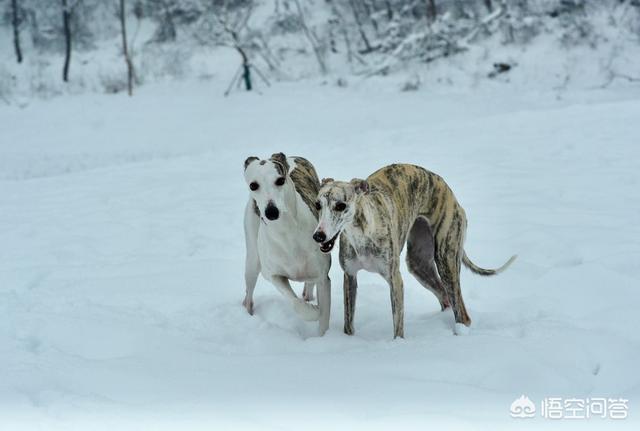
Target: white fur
(283, 249)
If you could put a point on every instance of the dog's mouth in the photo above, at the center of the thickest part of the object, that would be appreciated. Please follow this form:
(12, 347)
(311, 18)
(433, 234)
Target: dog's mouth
(327, 246)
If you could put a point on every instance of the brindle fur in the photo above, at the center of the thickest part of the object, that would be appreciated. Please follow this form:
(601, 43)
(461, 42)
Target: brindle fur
(397, 204)
(281, 163)
(248, 161)
(306, 181)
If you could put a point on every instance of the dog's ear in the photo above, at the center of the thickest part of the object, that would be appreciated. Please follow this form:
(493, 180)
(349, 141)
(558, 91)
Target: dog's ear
(326, 181)
(248, 161)
(361, 186)
(281, 163)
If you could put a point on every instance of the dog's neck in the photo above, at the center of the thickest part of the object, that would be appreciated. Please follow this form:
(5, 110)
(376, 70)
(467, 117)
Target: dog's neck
(290, 199)
(363, 221)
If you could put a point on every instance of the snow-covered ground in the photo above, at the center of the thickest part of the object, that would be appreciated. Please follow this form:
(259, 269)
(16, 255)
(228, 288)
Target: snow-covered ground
(122, 254)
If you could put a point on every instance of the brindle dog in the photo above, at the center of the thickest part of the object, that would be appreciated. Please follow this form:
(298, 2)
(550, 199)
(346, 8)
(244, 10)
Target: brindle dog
(397, 204)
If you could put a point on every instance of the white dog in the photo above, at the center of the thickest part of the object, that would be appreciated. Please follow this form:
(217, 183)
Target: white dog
(279, 221)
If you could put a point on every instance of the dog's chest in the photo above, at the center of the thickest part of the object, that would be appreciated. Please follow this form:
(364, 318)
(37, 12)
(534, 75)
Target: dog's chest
(364, 254)
(292, 258)
(290, 251)
(368, 263)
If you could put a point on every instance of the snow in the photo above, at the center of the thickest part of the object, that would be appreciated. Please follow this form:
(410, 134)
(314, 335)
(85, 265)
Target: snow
(121, 266)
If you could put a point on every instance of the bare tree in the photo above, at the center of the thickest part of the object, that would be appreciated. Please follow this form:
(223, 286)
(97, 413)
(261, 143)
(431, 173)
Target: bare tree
(363, 35)
(167, 28)
(66, 25)
(431, 10)
(226, 24)
(389, 9)
(313, 40)
(338, 22)
(369, 9)
(233, 29)
(15, 21)
(428, 46)
(125, 47)
(246, 66)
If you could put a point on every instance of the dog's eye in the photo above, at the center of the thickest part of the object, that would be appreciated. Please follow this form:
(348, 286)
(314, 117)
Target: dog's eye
(280, 181)
(318, 205)
(341, 206)
(254, 186)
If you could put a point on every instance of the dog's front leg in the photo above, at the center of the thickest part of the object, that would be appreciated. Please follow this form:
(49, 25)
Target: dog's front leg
(252, 261)
(305, 310)
(307, 293)
(350, 287)
(397, 301)
(251, 271)
(324, 303)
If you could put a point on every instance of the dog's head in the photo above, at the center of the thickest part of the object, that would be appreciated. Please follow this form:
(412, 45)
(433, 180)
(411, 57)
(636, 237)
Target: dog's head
(268, 182)
(336, 206)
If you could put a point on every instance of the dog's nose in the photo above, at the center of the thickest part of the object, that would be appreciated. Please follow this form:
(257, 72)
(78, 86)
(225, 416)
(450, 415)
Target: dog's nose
(319, 236)
(272, 212)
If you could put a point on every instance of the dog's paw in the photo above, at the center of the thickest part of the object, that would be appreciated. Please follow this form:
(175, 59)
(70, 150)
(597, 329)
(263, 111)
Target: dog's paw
(248, 305)
(461, 329)
(322, 329)
(309, 312)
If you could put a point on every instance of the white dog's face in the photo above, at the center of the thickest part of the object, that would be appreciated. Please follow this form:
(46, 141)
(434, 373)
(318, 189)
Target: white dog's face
(267, 181)
(336, 206)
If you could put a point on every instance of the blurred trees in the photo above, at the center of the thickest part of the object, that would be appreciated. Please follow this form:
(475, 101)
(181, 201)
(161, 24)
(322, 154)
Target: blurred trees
(373, 36)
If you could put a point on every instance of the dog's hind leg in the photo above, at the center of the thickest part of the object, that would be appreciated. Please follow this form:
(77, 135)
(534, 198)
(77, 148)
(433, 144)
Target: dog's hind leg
(427, 276)
(448, 261)
(449, 269)
(397, 300)
(307, 293)
(420, 260)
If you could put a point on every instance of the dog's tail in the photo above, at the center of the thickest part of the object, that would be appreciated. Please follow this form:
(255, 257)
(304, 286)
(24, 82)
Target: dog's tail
(482, 271)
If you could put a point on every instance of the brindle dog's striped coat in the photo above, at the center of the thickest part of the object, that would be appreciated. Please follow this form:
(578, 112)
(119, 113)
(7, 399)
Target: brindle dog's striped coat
(397, 204)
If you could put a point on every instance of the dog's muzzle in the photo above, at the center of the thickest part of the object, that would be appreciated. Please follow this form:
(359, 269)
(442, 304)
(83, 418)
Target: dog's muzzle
(271, 212)
(321, 238)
